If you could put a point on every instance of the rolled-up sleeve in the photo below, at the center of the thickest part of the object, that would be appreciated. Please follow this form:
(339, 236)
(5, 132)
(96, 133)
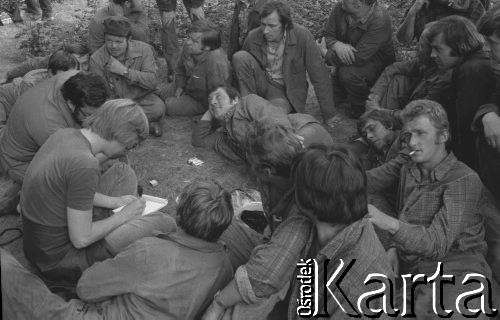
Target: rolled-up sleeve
(272, 264)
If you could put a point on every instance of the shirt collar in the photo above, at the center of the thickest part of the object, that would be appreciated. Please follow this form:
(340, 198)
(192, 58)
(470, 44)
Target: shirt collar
(182, 238)
(439, 171)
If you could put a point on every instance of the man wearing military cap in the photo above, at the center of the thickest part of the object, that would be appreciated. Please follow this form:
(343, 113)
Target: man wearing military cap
(129, 69)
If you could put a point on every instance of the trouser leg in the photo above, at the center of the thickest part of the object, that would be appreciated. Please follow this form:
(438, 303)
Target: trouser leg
(169, 40)
(357, 80)
(183, 106)
(251, 77)
(153, 107)
(32, 6)
(118, 180)
(46, 6)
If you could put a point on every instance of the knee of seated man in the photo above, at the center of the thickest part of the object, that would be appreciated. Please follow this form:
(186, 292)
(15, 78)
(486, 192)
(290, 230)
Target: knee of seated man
(240, 58)
(349, 75)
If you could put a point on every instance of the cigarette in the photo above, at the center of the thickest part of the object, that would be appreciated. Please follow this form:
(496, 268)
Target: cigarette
(412, 152)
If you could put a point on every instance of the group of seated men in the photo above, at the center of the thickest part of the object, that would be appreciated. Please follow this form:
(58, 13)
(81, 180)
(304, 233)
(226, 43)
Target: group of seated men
(418, 193)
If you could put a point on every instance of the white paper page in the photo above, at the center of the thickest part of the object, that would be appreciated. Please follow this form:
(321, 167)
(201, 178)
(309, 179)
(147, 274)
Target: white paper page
(153, 204)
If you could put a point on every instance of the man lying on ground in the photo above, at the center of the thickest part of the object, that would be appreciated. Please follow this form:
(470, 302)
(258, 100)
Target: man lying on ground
(170, 276)
(235, 115)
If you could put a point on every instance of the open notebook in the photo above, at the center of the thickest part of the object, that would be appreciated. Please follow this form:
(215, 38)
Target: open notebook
(152, 204)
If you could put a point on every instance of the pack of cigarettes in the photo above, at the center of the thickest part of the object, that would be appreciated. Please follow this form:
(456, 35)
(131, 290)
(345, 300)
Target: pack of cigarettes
(195, 162)
(153, 183)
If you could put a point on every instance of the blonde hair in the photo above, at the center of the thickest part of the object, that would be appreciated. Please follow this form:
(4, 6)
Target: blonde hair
(122, 120)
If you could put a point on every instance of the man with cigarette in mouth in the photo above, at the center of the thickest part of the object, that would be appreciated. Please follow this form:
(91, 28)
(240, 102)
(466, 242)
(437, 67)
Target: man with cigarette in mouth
(438, 201)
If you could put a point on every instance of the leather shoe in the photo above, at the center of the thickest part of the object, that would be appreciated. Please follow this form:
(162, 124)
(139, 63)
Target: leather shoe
(155, 129)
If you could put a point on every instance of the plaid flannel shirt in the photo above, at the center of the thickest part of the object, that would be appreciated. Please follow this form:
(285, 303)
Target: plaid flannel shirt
(272, 263)
(435, 11)
(357, 241)
(437, 217)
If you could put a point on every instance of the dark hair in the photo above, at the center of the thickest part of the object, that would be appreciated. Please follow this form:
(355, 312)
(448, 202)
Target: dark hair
(76, 48)
(283, 10)
(273, 146)
(61, 61)
(205, 210)
(120, 2)
(211, 35)
(459, 33)
(489, 23)
(232, 93)
(85, 88)
(383, 116)
(330, 184)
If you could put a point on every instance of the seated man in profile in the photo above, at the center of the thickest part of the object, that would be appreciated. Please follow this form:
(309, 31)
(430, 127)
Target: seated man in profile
(170, 276)
(203, 66)
(63, 101)
(128, 68)
(130, 9)
(330, 188)
(274, 62)
(438, 218)
(59, 61)
(235, 114)
(421, 12)
(405, 81)
(359, 41)
(64, 193)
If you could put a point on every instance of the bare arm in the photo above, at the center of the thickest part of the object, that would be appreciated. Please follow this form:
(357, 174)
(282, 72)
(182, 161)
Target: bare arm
(83, 231)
